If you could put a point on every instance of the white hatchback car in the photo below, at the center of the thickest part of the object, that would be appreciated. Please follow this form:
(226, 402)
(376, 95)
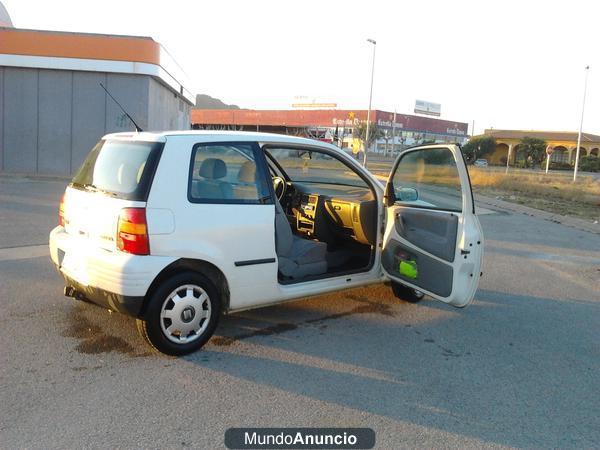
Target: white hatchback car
(177, 228)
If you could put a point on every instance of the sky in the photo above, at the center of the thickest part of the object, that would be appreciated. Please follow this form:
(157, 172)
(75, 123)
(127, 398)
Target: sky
(503, 64)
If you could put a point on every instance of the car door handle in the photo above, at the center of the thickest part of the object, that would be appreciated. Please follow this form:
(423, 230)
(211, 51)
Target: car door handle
(465, 252)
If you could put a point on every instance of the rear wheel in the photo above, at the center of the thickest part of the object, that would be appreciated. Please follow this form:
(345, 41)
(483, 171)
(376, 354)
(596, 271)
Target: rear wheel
(406, 293)
(182, 314)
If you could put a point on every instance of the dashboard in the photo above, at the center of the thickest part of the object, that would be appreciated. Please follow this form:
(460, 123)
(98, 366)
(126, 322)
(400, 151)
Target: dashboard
(332, 212)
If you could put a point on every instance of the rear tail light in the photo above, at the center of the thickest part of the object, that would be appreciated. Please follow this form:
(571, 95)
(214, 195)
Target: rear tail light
(61, 211)
(132, 231)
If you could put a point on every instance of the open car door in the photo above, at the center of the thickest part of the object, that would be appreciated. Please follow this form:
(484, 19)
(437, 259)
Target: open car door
(432, 241)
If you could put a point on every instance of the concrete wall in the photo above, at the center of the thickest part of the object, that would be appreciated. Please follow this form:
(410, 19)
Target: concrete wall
(55, 101)
(167, 111)
(1, 117)
(20, 120)
(89, 118)
(50, 119)
(132, 93)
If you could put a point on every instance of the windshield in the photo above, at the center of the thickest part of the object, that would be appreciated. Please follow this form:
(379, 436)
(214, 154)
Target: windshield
(315, 167)
(122, 169)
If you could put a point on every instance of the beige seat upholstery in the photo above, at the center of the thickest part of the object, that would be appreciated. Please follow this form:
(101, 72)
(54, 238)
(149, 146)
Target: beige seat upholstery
(246, 186)
(297, 257)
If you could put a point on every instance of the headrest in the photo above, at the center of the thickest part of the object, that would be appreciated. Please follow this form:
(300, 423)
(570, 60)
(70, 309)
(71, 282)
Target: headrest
(212, 169)
(247, 173)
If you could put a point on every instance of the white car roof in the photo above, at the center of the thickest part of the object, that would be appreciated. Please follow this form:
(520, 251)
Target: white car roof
(214, 135)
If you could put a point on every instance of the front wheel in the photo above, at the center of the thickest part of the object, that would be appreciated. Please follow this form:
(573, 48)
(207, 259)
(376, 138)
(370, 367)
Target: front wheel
(182, 314)
(406, 293)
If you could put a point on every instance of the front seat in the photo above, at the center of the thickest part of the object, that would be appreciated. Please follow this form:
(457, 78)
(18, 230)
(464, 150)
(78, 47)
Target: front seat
(246, 187)
(297, 257)
(210, 186)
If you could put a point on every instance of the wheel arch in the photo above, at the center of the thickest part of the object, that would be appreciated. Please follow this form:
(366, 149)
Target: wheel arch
(206, 268)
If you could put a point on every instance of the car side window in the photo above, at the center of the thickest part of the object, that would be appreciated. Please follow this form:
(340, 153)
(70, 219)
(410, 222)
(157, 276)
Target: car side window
(315, 167)
(428, 178)
(227, 173)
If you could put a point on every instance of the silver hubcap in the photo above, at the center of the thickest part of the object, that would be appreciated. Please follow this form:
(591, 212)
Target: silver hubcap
(185, 314)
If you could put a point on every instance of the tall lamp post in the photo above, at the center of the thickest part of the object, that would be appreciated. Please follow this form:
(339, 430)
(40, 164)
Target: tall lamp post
(587, 71)
(372, 41)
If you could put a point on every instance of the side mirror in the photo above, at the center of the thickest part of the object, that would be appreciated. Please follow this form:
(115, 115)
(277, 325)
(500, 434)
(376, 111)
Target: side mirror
(407, 194)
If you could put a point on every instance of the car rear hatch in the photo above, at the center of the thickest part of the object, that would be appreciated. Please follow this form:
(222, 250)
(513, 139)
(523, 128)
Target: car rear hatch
(116, 174)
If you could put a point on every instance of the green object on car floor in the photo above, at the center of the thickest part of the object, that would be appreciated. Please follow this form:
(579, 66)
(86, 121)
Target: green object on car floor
(408, 269)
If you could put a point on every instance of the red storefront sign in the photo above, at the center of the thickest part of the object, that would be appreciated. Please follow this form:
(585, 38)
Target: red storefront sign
(325, 118)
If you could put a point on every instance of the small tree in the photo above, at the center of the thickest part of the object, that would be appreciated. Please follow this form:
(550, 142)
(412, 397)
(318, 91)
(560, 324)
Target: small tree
(360, 132)
(589, 163)
(478, 147)
(534, 150)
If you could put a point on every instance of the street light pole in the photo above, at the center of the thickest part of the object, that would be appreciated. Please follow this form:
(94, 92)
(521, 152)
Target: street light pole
(587, 71)
(372, 41)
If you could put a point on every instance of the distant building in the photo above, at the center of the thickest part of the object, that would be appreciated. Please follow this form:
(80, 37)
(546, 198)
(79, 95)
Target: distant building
(562, 143)
(323, 124)
(52, 108)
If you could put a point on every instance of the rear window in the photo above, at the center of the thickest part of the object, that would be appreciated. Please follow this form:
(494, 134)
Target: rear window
(122, 169)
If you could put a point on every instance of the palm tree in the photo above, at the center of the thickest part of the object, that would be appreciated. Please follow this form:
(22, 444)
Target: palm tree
(534, 150)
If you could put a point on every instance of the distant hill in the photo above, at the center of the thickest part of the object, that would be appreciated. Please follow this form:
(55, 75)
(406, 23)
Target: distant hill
(204, 101)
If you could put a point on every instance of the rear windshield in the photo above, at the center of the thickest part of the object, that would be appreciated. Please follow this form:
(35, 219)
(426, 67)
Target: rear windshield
(122, 169)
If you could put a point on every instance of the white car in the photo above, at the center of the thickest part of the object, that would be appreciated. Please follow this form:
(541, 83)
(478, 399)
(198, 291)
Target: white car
(177, 228)
(480, 163)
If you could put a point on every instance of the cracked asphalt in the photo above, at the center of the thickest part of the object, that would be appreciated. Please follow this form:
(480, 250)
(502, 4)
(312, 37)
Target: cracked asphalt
(518, 368)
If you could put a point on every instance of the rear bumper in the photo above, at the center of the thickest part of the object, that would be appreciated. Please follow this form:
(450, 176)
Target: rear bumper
(125, 304)
(113, 279)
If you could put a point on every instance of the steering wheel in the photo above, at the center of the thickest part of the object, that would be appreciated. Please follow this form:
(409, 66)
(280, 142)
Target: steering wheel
(279, 186)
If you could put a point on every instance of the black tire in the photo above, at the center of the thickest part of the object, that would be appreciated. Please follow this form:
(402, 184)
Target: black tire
(406, 293)
(150, 326)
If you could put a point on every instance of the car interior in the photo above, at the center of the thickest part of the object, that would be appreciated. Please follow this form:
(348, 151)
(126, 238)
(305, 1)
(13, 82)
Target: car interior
(325, 213)
(324, 225)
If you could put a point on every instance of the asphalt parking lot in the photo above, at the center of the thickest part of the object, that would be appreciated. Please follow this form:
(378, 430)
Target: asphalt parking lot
(518, 368)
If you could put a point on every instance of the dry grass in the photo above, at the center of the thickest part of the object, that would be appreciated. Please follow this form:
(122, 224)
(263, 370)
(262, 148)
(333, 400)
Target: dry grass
(554, 192)
(560, 186)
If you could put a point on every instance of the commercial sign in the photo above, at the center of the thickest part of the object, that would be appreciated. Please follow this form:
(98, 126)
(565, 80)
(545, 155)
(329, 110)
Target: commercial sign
(429, 108)
(306, 102)
(457, 131)
(389, 124)
(345, 122)
(315, 105)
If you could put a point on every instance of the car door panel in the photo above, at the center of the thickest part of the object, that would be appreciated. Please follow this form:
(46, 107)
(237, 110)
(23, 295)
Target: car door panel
(432, 241)
(433, 231)
(432, 274)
